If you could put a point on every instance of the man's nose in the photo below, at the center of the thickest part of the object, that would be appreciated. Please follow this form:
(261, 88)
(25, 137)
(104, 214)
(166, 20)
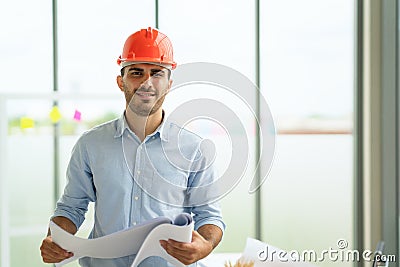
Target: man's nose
(147, 80)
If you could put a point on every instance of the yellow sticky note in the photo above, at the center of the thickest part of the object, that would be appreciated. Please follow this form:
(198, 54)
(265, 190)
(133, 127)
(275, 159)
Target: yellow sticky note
(26, 123)
(55, 114)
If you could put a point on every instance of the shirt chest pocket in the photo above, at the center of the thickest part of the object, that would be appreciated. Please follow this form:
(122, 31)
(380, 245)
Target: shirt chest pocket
(168, 190)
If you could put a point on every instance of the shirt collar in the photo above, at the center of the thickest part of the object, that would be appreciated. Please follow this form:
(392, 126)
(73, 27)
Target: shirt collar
(122, 125)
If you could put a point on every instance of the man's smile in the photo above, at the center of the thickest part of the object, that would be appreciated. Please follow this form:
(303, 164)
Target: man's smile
(145, 94)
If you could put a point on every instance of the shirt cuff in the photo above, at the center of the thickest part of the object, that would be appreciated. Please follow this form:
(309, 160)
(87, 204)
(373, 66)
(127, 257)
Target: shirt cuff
(218, 223)
(68, 216)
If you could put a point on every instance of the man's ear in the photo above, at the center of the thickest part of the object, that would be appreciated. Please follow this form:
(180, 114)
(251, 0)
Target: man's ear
(170, 84)
(120, 83)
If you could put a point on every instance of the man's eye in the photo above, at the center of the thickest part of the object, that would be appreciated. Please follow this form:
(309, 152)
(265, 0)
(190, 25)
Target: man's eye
(158, 74)
(136, 73)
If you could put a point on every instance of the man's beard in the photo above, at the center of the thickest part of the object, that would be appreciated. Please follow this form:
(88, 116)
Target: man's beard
(142, 109)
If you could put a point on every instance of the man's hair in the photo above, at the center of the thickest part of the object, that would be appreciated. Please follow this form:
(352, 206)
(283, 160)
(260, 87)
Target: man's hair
(123, 72)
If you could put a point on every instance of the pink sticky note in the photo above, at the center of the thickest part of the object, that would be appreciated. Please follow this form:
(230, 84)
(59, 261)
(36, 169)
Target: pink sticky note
(77, 115)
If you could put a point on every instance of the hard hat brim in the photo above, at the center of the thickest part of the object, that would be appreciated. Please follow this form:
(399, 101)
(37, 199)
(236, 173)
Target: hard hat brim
(129, 63)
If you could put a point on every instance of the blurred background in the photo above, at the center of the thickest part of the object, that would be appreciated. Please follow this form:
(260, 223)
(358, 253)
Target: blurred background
(328, 70)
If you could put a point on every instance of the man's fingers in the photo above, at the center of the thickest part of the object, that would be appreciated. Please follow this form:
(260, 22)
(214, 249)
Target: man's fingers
(188, 253)
(52, 253)
(50, 256)
(182, 246)
(56, 249)
(179, 245)
(181, 251)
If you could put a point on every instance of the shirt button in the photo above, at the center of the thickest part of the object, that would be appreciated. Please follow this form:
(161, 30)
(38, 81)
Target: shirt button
(134, 223)
(153, 137)
(138, 172)
(136, 197)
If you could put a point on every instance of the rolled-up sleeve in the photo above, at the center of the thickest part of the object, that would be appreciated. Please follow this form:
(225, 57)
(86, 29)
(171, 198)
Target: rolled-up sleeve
(79, 190)
(208, 214)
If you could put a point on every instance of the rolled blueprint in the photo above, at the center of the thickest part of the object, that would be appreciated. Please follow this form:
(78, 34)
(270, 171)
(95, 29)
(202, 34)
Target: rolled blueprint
(142, 239)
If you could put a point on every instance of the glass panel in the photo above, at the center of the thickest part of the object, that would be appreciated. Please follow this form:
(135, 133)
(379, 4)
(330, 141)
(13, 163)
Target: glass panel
(223, 34)
(91, 39)
(26, 46)
(30, 164)
(307, 61)
(29, 178)
(25, 251)
(307, 77)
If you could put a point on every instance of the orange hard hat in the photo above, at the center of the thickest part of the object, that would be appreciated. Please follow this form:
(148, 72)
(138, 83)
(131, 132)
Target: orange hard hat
(147, 46)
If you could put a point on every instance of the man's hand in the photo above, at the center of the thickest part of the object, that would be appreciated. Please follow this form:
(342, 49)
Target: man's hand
(52, 253)
(188, 253)
(203, 242)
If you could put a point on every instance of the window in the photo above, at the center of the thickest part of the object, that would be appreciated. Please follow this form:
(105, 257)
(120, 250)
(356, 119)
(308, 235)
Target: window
(26, 47)
(307, 78)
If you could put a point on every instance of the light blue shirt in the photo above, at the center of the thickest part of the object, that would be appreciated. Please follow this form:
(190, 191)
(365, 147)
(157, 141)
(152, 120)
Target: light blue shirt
(126, 179)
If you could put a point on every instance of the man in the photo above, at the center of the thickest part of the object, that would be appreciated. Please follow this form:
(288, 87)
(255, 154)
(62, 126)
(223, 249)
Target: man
(121, 164)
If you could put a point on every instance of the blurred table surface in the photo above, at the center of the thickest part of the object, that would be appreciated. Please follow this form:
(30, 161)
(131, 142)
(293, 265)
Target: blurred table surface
(219, 259)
